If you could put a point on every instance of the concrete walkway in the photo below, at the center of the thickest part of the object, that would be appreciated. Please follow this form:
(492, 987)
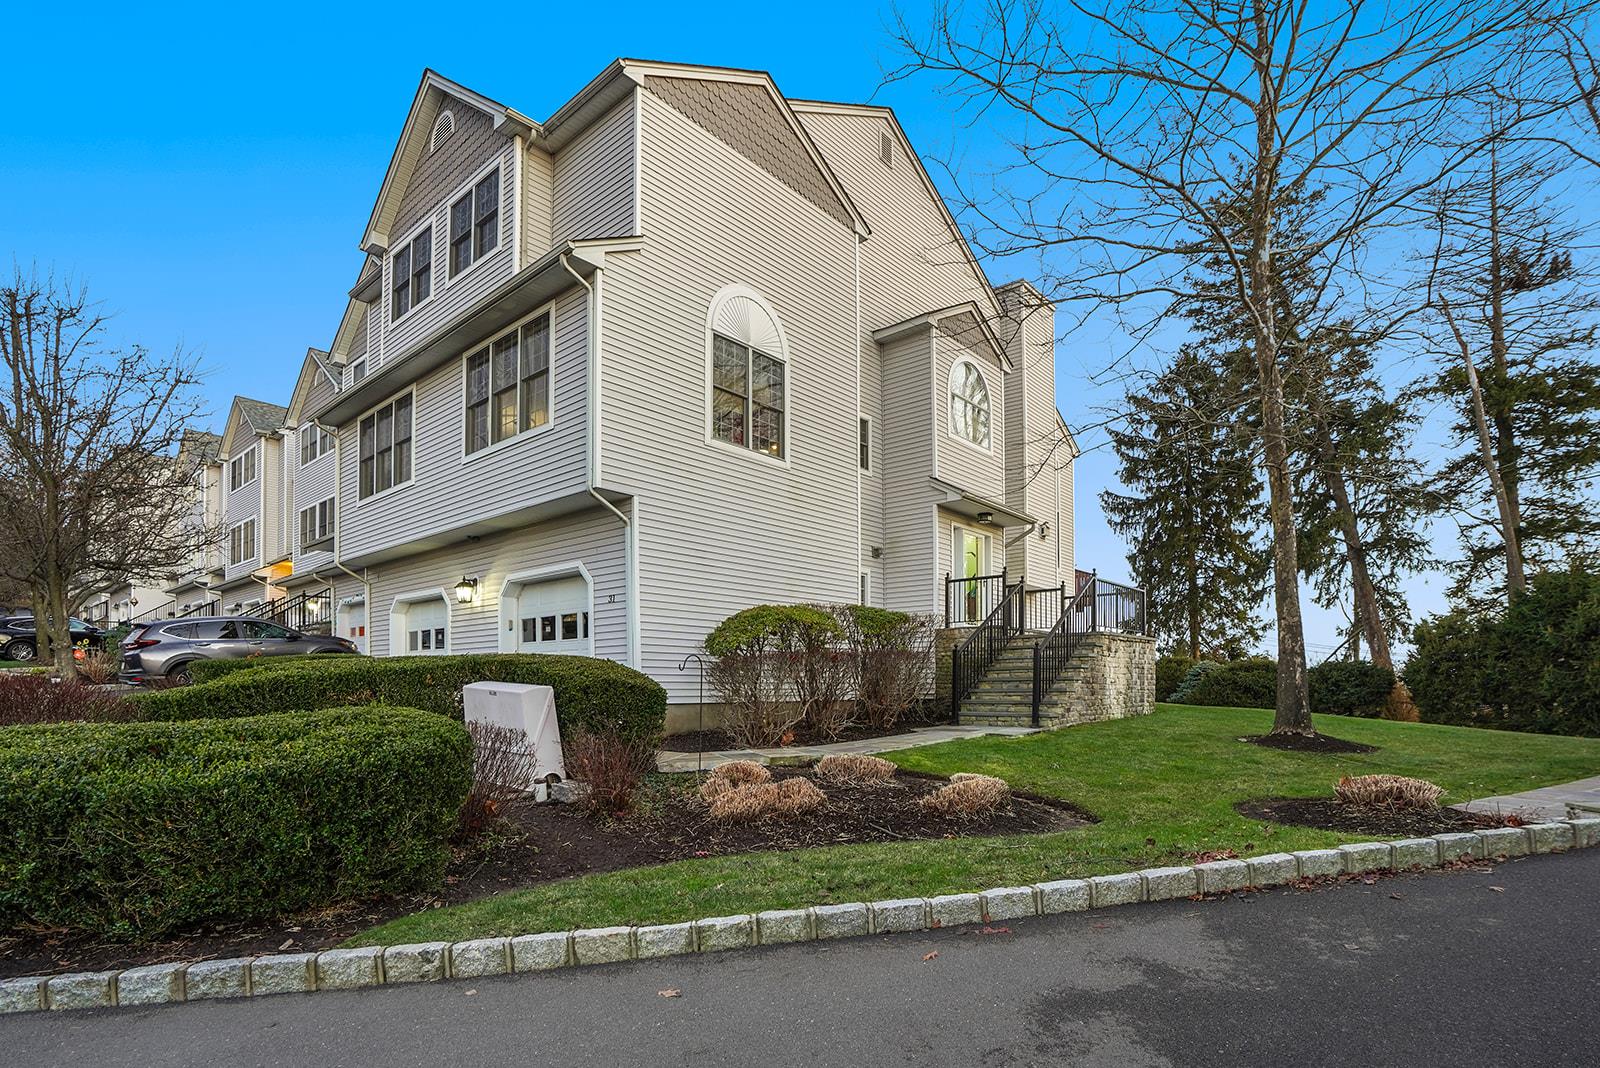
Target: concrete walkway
(805, 754)
(1545, 803)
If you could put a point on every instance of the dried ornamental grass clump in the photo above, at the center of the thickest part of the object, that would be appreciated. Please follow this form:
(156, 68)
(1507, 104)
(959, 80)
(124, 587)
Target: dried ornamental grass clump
(972, 795)
(855, 769)
(1395, 791)
(731, 776)
(967, 776)
(784, 800)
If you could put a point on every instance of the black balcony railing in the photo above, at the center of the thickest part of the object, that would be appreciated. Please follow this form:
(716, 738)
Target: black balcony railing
(311, 611)
(968, 601)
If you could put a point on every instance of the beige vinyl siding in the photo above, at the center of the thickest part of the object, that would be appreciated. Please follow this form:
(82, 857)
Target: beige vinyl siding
(538, 181)
(275, 496)
(975, 469)
(722, 529)
(448, 491)
(594, 538)
(910, 562)
(592, 180)
(449, 296)
(242, 503)
(872, 481)
(313, 483)
(1035, 446)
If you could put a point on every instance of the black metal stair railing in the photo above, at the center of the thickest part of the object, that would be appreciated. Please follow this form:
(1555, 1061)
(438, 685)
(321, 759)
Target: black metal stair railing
(1055, 650)
(980, 649)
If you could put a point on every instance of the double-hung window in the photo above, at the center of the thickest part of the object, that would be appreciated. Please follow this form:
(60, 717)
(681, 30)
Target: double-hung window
(411, 279)
(508, 385)
(242, 469)
(316, 523)
(314, 442)
(385, 444)
(747, 397)
(475, 223)
(242, 542)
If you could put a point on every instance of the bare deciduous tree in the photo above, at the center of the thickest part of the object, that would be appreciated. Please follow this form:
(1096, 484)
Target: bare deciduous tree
(92, 492)
(1154, 131)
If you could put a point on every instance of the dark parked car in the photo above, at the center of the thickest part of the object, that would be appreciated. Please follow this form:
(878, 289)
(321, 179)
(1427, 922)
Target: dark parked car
(166, 648)
(19, 640)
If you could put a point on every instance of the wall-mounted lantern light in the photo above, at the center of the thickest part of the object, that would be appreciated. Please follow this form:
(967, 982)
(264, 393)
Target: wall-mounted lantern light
(466, 590)
(986, 518)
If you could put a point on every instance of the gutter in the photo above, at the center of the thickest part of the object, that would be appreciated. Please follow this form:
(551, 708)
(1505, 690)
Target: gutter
(592, 460)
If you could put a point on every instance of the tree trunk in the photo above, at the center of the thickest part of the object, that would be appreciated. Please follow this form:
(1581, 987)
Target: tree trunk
(1368, 618)
(1500, 455)
(1516, 576)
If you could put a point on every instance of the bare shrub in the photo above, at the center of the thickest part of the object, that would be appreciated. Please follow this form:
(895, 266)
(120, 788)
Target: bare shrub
(99, 666)
(783, 800)
(612, 766)
(731, 776)
(753, 688)
(891, 660)
(1399, 706)
(502, 769)
(975, 795)
(855, 769)
(965, 776)
(776, 666)
(1394, 791)
(28, 697)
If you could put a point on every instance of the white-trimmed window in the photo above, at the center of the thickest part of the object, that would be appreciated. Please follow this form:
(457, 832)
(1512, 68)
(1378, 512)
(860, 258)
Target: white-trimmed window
(475, 223)
(316, 523)
(242, 469)
(411, 274)
(385, 444)
(969, 403)
(242, 542)
(314, 442)
(508, 384)
(864, 443)
(748, 374)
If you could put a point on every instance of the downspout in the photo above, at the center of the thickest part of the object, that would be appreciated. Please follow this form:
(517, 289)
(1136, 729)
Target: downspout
(592, 464)
(861, 564)
(338, 533)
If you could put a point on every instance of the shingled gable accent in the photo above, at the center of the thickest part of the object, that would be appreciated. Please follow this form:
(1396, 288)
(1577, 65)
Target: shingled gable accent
(746, 116)
(413, 146)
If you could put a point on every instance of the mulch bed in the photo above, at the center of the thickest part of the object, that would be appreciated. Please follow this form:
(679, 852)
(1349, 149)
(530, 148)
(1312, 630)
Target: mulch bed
(712, 741)
(1328, 814)
(541, 843)
(1308, 743)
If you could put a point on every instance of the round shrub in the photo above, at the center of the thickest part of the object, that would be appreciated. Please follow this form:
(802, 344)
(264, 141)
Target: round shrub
(770, 628)
(592, 695)
(1251, 683)
(1170, 673)
(1350, 688)
(134, 830)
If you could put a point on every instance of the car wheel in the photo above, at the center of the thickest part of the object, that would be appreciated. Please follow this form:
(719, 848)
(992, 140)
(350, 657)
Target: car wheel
(180, 675)
(20, 651)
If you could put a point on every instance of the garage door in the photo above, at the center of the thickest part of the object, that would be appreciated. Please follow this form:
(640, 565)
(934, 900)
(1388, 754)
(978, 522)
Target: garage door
(553, 617)
(425, 623)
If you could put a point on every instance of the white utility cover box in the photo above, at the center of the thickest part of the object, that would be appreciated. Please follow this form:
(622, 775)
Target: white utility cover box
(520, 706)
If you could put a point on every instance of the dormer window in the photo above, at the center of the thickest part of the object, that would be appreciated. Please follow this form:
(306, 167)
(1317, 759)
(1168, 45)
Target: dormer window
(969, 404)
(475, 223)
(412, 278)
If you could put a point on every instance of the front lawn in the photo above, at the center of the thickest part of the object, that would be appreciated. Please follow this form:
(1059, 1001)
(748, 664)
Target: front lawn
(1163, 786)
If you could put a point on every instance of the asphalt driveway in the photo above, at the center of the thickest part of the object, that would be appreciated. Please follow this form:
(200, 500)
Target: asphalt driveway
(1497, 967)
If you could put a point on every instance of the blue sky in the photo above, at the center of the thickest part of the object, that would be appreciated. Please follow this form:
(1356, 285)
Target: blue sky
(207, 170)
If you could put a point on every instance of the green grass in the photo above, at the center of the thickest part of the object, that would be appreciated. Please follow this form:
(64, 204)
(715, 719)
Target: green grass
(1162, 785)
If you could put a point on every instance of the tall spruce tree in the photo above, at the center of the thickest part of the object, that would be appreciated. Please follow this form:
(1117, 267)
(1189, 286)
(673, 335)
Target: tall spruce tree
(1193, 514)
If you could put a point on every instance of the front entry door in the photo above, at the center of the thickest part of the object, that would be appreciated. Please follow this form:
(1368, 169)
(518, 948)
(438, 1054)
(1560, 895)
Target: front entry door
(553, 617)
(972, 562)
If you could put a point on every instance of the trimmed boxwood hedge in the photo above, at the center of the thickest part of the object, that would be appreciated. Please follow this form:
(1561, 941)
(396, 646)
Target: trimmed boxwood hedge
(206, 670)
(133, 830)
(594, 695)
(1350, 687)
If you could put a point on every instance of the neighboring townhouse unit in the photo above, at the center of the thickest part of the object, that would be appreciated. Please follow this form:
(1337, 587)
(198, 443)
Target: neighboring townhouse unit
(684, 347)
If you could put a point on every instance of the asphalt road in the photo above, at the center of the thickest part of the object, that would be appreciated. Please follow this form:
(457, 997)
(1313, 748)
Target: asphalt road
(1496, 967)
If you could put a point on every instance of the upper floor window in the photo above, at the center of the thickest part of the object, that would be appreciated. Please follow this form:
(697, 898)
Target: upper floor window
(314, 442)
(475, 223)
(412, 277)
(385, 441)
(508, 384)
(749, 374)
(969, 403)
(242, 469)
(864, 444)
(316, 523)
(242, 542)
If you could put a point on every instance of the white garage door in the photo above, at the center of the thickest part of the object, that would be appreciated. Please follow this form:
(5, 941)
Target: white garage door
(553, 617)
(425, 623)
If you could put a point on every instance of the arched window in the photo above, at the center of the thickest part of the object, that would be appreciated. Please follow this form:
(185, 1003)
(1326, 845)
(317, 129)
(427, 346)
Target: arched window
(749, 373)
(969, 403)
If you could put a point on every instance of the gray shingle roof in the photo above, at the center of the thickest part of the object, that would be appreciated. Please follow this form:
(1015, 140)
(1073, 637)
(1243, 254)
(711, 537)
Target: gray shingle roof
(261, 417)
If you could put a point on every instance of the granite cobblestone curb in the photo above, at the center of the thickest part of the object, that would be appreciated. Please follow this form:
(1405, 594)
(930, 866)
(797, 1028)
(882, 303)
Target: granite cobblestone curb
(348, 969)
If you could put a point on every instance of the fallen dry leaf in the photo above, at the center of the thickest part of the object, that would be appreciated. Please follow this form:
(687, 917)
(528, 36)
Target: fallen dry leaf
(929, 956)
(1398, 897)
(670, 992)
(995, 930)
(287, 942)
(1498, 889)
(469, 993)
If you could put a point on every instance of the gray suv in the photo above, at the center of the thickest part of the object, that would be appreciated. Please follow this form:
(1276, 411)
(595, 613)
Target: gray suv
(166, 648)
